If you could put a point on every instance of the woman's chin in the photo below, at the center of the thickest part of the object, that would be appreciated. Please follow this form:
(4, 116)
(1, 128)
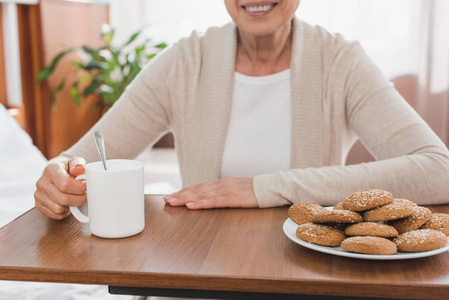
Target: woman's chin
(259, 29)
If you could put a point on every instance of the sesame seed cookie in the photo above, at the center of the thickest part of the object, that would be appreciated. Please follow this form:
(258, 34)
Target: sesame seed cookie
(320, 234)
(369, 245)
(439, 222)
(413, 222)
(399, 208)
(302, 213)
(339, 206)
(337, 216)
(367, 199)
(420, 240)
(371, 229)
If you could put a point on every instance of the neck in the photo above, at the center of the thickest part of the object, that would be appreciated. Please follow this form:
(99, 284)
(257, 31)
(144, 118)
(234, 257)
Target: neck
(264, 55)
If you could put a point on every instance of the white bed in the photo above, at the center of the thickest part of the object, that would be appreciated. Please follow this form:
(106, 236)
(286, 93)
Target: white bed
(21, 164)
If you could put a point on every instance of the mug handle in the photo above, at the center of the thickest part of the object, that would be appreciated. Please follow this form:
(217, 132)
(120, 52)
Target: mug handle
(75, 210)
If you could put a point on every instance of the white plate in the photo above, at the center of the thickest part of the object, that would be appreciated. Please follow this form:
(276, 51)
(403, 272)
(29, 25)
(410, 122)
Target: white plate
(290, 230)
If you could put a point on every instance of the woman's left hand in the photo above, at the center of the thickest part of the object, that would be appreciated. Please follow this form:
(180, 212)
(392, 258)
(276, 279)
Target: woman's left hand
(225, 192)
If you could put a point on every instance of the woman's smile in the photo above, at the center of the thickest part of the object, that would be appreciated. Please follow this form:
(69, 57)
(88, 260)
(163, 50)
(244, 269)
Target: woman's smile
(258, 9)
(258, 18)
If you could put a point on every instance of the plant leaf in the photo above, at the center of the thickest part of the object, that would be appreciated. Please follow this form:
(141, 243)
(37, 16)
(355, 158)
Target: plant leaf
(61, 85)
(84, 78)
(133, 71)
(79, 65)
(56, 92)
(132, 38)
(91, 87)
(75, 94)
(91, 65)
(151, 56)
(92, 52)
(46, 72)
(161, 46)
(139, 50)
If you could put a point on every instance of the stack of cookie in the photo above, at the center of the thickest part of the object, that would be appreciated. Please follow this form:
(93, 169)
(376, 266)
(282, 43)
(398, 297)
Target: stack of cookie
(372, 222)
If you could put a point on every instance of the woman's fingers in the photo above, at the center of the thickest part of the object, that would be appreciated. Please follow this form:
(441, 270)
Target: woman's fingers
(46, 211)
(56, 190)
(76, 166)
(194, 193)
(64, 199)
(57, 173)
(225, 192)
(215, 202)
(49, 196)
(47, 207)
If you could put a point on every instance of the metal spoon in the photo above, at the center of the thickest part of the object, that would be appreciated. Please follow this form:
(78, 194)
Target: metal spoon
(98, 137)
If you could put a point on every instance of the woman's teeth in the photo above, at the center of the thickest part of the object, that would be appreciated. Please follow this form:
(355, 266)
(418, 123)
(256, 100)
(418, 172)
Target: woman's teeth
(260, 8)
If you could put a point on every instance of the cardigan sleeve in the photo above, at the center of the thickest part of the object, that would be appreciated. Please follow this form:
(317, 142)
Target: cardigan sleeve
(411, 161)
(139, 118)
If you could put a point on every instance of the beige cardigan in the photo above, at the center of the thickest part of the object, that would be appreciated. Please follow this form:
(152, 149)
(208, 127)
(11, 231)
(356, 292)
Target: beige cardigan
(337, 95)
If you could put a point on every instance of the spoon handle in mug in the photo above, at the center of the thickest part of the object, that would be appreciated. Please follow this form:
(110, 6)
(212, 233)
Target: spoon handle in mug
(99, 142)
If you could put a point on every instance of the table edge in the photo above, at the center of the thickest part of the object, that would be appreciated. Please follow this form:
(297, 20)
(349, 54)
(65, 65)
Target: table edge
(411, 290)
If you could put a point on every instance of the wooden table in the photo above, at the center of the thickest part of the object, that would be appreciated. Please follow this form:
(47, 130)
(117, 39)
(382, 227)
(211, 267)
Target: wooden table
(221, 253)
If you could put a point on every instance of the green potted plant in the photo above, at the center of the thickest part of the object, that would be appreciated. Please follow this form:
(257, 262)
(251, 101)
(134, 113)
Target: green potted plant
(106, 70)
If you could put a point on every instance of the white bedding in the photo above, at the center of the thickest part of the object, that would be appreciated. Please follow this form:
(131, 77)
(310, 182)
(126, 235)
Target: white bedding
(14, 290)
(21, 164)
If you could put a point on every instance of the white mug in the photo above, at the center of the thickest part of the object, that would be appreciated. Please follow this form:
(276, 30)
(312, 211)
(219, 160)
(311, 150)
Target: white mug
(115, 198)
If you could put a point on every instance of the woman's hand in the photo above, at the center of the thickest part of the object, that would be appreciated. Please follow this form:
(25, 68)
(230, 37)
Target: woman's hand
(225, 192)
(58, 189)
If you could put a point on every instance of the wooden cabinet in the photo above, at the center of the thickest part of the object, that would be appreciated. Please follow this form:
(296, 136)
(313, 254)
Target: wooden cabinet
(46, 29)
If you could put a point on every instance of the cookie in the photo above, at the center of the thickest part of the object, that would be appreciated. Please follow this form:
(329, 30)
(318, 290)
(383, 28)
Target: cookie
(371, 229)
(399, 208)
(302, 213)
(413, 222)
(338, 206)
(337, 216)
(367, 199)
(320, 234)
(420, 240)
(369, 245)
(439, 222)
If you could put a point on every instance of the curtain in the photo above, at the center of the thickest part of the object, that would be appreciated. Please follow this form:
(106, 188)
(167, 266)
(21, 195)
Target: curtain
(432, 90)
(408, 39)
(167, 20)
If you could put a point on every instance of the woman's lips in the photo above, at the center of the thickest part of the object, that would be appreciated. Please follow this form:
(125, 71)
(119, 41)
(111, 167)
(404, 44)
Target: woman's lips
(259, 9)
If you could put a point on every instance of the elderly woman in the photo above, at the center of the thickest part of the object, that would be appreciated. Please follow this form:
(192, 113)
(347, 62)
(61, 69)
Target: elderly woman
(264, 111)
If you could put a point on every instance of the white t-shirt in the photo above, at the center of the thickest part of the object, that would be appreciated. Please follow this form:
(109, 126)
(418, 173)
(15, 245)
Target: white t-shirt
(258, 137)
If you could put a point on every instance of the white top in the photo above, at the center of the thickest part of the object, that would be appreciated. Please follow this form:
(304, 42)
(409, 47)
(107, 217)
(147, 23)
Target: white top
(258, 137)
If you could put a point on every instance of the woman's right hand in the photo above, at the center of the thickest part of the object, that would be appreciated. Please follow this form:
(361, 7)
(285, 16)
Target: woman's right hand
(58, 189)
